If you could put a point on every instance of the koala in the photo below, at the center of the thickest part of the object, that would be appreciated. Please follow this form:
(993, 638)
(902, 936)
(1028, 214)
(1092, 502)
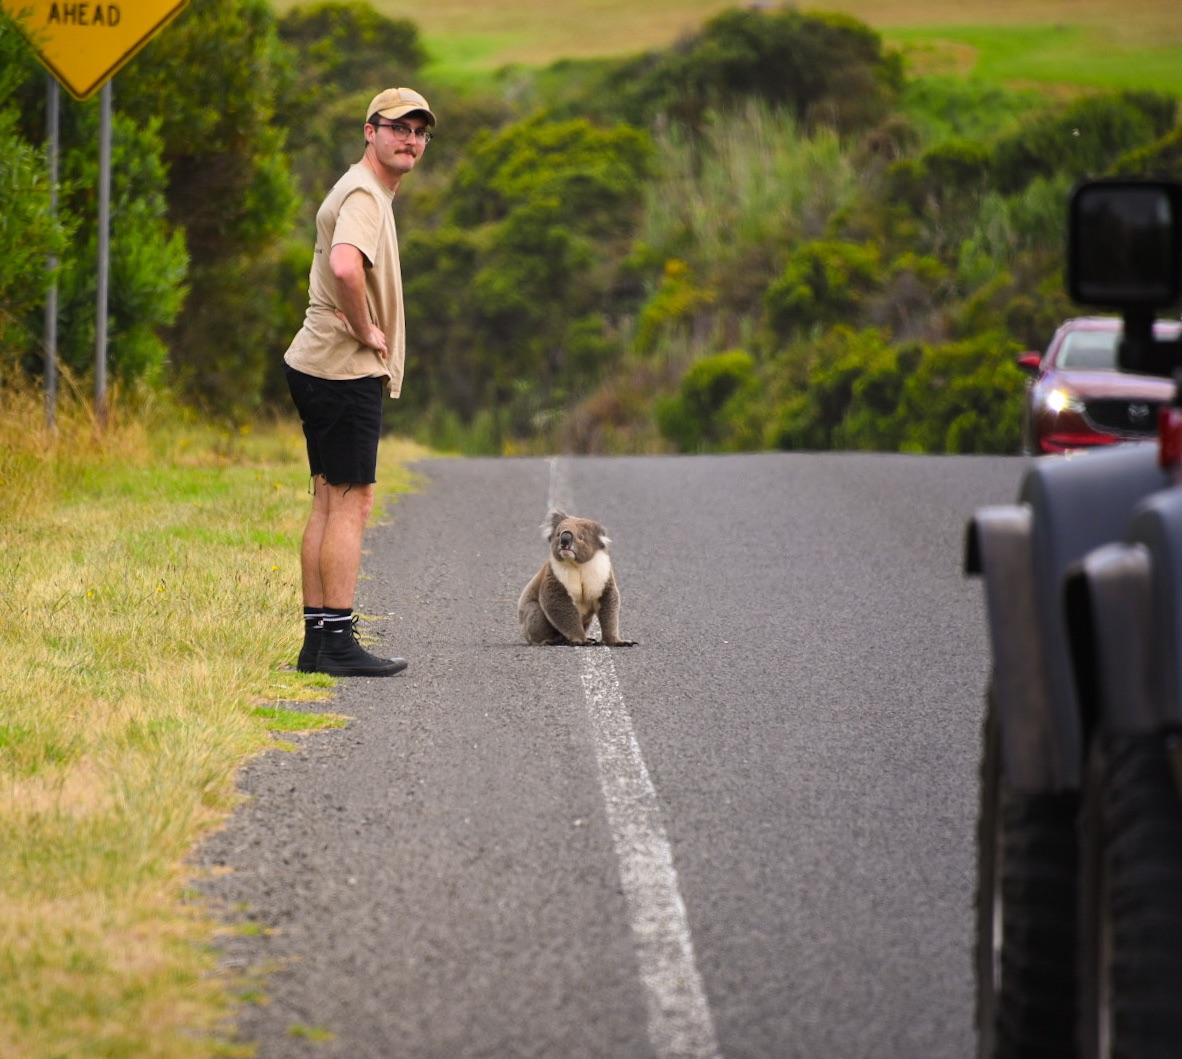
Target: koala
(572, 587)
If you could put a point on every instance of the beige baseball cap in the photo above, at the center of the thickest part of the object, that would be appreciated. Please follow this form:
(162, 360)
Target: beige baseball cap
(397, 103)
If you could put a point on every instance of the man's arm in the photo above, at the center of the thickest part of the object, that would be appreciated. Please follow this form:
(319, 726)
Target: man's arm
(348, 268)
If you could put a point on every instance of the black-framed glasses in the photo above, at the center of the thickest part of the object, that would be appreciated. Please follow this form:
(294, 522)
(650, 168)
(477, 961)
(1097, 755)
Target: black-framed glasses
(402, 132)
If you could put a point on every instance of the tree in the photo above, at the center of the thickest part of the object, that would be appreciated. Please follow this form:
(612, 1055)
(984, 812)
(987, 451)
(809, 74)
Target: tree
(349, 47)
(508, 303)
(148, 260)
(825, 69)
(1084, 138)
(211, 81)
(339, 56)
(147, 254)
(28, 235)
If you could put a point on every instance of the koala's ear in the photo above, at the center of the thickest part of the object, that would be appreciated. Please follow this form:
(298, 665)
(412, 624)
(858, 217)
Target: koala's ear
(601, 533)
(551, 524)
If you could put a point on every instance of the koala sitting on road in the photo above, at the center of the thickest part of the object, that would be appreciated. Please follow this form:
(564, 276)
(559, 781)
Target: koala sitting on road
(572, 587)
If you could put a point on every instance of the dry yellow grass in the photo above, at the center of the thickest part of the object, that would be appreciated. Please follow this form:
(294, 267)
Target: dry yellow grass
(150, 580)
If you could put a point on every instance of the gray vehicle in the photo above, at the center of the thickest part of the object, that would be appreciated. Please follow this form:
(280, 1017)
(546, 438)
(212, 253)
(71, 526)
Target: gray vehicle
(1079, 894)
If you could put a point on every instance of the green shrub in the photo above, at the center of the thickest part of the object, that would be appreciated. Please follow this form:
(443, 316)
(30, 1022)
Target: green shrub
(943, 174)
(594, 175)
(147, 254)
(822, 68)
(825, 282)
(1082, 139)
(955, 108)
(963, 397)
(697, 418)
(28, 236)
(221, 68)
(812, 418)
(1162, 159)
(677, 298)
(746, 186)
(148, 259)
(863, 393)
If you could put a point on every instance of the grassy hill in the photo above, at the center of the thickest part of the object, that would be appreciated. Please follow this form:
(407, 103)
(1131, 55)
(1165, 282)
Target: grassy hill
(1040, 42)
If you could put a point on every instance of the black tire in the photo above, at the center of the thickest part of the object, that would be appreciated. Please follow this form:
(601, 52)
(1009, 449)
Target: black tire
(1131, 911)
(1027, 859)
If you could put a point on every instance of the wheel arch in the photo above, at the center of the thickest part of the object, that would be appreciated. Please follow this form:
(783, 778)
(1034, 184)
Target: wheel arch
(1024, 552)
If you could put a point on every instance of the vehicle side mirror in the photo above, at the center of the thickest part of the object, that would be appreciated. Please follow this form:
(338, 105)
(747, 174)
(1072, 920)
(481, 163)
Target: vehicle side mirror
(1029, 361)
(1124, 253)
(1124, 246)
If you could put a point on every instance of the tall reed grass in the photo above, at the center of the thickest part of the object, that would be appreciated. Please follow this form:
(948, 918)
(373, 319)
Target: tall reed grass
(752, 180)
(149, 579)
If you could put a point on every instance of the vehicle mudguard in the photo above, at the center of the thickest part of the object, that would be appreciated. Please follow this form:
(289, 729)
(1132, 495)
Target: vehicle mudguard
(1067, 506)
(1156, 526)
(999, 548)
(1109, 603)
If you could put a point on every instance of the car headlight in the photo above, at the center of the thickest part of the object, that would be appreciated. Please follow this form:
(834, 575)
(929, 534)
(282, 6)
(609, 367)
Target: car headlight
(1061, 400)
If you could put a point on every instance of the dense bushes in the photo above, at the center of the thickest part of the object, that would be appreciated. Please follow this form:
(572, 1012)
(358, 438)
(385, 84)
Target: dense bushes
(341, 46)
(896, 328)
(1085, 138)
(708, 406)
(335, 54)
(862, 392)
(512, 295)
(201, 195)
(147, 261)
(824, 69)
(28, 236)
(769, 239)
(220, 66)
(825, 282)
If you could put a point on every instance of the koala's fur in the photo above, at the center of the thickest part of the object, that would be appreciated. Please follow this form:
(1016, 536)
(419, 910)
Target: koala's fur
(572, 587)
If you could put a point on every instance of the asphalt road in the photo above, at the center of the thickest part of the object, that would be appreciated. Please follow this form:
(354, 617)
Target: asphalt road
(751, 835)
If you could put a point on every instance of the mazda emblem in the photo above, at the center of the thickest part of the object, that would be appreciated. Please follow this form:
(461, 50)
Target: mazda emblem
(1138, 413)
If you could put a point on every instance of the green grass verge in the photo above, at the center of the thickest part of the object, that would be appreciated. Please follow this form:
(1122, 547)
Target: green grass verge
(1047, 56)
(151, 589)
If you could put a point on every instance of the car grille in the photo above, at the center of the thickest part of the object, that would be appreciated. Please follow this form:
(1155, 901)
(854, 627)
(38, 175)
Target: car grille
(1123, 416)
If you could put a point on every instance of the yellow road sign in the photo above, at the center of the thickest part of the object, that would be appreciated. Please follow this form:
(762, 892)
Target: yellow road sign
(85, 42)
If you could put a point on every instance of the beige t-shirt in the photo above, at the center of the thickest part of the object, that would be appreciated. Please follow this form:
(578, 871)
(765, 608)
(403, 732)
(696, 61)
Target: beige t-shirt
(359, 211)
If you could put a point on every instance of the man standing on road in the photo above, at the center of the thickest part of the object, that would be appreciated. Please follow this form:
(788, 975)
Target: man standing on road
(350, 348)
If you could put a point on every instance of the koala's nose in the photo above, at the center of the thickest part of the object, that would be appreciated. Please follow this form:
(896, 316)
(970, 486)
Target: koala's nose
(566, 538)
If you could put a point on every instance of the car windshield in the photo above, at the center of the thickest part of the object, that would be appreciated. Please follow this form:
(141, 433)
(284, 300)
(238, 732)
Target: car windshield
(1089, 351)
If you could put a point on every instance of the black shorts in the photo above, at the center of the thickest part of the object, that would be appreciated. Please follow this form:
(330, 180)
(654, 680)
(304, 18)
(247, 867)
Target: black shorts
(342, 421)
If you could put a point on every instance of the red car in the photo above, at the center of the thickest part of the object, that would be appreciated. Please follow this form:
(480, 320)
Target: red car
(1078, 398)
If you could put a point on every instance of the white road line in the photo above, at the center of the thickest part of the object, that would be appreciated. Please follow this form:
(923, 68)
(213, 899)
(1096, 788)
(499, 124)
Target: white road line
(679, 1022)
(559, 489)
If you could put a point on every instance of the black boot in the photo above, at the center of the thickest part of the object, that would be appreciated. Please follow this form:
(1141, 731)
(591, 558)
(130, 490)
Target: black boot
(313, 638)
(342, 656)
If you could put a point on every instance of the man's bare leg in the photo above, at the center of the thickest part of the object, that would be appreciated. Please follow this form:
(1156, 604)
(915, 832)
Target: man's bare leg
(330, 555)
(330, 561)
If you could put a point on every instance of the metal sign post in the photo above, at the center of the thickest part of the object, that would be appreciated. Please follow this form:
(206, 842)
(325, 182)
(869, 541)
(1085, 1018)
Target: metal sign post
(53, 135)
(104, 255)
